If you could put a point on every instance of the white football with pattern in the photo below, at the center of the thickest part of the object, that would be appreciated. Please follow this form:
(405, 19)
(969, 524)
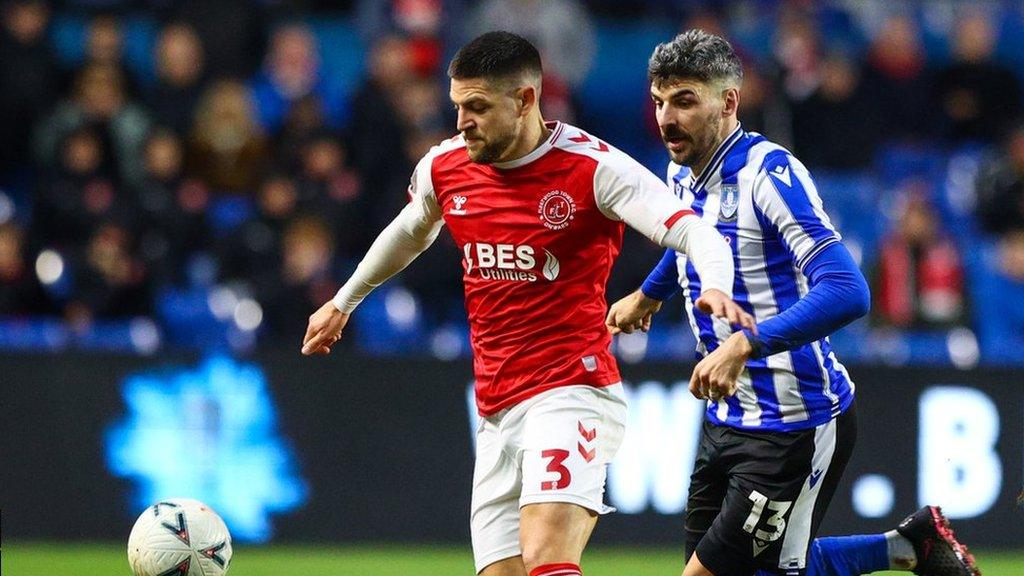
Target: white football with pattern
(179, 537)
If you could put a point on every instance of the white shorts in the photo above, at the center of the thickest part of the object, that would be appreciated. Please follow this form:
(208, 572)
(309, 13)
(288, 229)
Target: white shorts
(554, 447)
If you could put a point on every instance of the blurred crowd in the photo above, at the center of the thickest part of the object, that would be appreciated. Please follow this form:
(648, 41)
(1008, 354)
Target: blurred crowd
(160, 148)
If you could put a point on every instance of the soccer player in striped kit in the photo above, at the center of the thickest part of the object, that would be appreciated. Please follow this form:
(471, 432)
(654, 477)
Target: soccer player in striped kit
(781, 420)
(538, 210)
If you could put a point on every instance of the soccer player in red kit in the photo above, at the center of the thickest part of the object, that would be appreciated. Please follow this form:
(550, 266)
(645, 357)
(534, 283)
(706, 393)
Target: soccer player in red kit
(538, 210)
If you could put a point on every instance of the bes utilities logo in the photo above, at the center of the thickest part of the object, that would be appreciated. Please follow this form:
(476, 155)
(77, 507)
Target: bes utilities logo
(508, 262)
(556, 210)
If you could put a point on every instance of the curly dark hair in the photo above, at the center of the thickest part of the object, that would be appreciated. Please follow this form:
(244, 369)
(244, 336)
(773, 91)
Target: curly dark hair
(695, 54)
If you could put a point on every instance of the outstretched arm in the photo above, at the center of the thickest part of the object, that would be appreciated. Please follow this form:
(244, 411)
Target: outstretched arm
(663, 282)
(630, 193)
(637, 310)
(786, 195)
(839, 295)
(394, 249)
(408, 235)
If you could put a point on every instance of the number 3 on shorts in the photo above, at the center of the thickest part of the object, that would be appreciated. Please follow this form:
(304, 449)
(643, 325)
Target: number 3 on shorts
(564, 477)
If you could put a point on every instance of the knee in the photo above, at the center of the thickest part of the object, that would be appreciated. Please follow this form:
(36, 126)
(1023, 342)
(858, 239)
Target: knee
(536, 552)
(552, 534)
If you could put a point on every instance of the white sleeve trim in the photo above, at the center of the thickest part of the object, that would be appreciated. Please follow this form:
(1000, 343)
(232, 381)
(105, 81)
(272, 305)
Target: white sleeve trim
(632, 194)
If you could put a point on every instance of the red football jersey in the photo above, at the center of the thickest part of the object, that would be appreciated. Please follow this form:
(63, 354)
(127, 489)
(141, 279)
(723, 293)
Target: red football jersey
(538, 237)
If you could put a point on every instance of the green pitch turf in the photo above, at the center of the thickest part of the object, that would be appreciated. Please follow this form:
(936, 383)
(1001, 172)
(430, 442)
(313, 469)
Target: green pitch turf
(36, 559)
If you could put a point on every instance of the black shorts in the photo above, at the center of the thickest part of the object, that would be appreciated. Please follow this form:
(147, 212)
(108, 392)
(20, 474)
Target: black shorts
(757, 498)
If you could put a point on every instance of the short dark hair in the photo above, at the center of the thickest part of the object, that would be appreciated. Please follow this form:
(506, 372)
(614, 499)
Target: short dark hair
(695, 54)
(495, 55)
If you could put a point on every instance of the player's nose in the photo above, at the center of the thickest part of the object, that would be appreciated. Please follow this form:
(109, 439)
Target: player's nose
(463, 122)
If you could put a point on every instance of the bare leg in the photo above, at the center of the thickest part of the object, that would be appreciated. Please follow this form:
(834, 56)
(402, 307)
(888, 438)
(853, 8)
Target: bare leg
(695, 568)
(507, 567)
(555, 532)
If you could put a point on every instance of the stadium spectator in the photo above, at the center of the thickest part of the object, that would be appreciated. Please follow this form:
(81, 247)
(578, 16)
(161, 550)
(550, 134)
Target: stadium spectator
(293, 71)
(764, 110)
(100, 102)
(170, 210)
(78, 195)
(562, 30)
(326, 186)
(231, 31)
(1000, 187)
(28, 74)
(20, 292)
(227, 149)
(428, 24)
(304, 120)
(1001, 326)
(897, 74)
(977, 97)
(836, 126)
(920, 277)
(180, 71)
(377, 134)
(109, 280)
(251, 252)
(104, 45)
(797, 54)
(306, 277)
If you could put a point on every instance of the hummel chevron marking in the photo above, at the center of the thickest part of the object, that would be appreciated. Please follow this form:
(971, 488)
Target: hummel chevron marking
(588, 435)
(588, 455)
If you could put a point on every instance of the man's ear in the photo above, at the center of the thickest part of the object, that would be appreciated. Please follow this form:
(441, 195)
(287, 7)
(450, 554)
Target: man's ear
(526, 99)
(732, 101)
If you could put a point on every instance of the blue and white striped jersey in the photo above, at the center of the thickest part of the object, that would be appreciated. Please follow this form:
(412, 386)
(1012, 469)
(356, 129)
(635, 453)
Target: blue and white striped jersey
(765, 204)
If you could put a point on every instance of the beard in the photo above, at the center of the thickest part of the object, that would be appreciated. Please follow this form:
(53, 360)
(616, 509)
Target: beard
(701, 143)
(492, 150)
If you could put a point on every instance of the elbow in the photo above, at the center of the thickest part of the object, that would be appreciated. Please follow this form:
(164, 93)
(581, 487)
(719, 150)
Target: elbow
(860, 299)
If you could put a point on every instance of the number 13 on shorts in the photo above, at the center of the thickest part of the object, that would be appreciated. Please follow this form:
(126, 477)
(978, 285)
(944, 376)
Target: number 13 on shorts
(776, 520)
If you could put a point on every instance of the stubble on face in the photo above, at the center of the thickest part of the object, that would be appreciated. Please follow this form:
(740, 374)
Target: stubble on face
(490, 149)
(701, 141)
(493, 133)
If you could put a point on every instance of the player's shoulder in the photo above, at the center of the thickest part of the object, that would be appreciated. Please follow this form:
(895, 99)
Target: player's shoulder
(444, 156)
(590, 148)
(777, 168)
(768, 157)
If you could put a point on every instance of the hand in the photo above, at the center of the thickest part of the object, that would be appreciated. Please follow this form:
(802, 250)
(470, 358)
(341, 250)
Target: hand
(715, 302)
(715, 376)
(631, 313)
(325, 326)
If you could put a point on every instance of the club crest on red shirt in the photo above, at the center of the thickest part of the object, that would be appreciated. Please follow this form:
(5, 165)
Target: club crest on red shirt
(556, 209)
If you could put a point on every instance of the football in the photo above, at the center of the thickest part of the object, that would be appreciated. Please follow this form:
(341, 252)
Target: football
(179, 537)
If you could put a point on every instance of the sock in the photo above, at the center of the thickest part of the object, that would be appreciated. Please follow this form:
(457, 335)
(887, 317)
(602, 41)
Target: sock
(561, 569)
(901, 551)
(848, 555)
